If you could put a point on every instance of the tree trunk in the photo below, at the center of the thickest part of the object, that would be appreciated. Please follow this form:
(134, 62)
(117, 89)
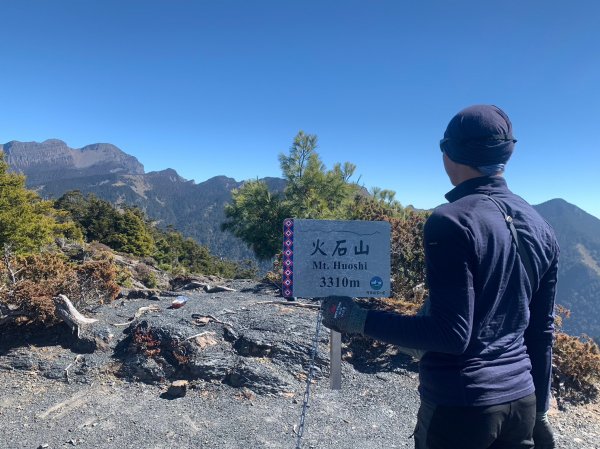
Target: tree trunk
(89, 336)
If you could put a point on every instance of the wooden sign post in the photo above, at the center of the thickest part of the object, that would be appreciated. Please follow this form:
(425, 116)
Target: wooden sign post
(336, 258)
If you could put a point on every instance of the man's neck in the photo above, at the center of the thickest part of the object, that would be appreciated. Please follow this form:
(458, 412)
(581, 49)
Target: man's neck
(464, 173)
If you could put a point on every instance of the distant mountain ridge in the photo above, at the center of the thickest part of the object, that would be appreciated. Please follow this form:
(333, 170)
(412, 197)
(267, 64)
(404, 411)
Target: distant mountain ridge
(197, 210)
(53, 159)
(578, 287)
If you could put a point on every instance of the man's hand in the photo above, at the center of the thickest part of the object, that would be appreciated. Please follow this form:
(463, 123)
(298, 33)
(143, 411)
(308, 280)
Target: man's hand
(543, 437)
(341, 314)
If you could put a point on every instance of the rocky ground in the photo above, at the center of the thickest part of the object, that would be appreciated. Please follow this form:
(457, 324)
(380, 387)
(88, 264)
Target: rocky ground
(243, 355)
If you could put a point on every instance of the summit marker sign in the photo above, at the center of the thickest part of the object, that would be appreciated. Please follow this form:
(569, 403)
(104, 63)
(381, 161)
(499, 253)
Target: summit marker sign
(336, 258)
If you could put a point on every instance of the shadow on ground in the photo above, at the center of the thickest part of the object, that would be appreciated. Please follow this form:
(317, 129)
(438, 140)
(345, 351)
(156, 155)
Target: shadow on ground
(13, 337)
(370, 356)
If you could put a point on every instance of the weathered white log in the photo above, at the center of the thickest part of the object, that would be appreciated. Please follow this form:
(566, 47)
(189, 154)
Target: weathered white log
(203, 320)
(196, 284)
(70, 315)
(141, 311)
(218, 288)
(201, 334)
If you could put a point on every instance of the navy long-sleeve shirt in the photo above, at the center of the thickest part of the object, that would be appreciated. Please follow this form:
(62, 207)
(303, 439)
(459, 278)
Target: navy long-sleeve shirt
(489, 329)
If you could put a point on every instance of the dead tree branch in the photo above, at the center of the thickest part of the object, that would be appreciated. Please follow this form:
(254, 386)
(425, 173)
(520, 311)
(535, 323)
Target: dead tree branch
(6, 257)
(70, 315)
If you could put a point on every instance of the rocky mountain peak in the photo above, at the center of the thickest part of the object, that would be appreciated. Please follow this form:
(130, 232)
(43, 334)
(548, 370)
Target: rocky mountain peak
(167, 172)
(578, 286)
(569, 220)
(54, 159)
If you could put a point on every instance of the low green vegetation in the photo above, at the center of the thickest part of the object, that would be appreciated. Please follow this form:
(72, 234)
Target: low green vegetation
(27, 223)
(126, 229)
(44, 254)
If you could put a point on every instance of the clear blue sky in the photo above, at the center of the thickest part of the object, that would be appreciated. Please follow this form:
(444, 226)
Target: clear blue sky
(221, 87)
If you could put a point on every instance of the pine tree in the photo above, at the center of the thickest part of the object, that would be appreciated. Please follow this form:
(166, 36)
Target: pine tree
(131, 234)
(312, 191)
(27, 223)
(256, 215)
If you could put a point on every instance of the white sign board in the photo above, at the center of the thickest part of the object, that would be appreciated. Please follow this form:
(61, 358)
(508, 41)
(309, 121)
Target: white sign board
(336, 258)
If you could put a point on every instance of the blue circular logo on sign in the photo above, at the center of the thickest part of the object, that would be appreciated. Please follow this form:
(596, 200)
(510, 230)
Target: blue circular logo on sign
(376, 283)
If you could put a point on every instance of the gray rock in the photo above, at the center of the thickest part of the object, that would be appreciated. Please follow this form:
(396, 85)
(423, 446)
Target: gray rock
(259, 377)
(252, 344)
(141, 293)
(177, 389)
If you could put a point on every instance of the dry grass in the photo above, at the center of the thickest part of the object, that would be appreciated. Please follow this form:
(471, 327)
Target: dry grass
(28, 295)
(576, 365)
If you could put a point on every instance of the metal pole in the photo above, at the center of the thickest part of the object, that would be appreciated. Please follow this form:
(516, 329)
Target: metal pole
(335, 361)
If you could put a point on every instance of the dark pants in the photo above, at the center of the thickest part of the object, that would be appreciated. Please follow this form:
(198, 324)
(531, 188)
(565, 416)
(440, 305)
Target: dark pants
(503, 426)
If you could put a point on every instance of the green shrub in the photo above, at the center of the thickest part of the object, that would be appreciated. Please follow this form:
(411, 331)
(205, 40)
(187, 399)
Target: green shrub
(146, 275)
(128, 230)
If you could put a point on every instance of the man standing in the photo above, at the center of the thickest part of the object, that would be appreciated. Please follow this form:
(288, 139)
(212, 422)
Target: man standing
(487, 335)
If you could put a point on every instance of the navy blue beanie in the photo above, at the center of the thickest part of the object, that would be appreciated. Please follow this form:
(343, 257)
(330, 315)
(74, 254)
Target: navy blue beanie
(479, 135)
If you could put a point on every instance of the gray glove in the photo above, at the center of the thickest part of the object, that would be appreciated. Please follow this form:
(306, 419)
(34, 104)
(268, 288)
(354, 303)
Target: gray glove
(341, 314)
(543, 437)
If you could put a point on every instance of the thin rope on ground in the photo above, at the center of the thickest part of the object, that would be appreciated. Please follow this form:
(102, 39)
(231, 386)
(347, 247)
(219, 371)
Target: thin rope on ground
(313, 356)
